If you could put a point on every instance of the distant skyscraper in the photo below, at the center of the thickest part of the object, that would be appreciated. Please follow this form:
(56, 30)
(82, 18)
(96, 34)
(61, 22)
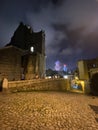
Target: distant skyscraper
(65, 68)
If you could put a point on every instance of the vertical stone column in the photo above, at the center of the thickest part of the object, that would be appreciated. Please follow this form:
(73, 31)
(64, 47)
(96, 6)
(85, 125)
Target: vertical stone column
(5, 85)
(31, 66)
(37, 66)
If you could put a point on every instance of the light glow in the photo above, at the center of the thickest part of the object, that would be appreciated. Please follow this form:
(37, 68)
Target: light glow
(58, 66)
(32, 49)
(65, 76)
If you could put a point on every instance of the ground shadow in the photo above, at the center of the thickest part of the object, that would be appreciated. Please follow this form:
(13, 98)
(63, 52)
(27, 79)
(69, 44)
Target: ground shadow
(95, 109)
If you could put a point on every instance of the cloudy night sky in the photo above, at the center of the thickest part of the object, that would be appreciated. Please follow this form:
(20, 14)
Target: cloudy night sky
(71, 26)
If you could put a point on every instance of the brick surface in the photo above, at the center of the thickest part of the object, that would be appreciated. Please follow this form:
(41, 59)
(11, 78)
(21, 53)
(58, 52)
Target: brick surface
(48, 111)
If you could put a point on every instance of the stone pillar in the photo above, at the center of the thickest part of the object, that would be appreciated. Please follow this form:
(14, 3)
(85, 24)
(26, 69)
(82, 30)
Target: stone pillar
(31, 67)
(36, 65)
(5, 85)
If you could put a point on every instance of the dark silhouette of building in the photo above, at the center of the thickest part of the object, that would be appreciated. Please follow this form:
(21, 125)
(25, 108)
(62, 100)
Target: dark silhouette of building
(27, 50)
(24, 38)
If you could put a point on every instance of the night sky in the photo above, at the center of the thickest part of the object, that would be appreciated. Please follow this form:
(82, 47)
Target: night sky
(71, 26)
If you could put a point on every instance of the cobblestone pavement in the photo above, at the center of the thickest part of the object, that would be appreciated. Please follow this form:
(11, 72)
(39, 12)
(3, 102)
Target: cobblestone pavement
(48, 111)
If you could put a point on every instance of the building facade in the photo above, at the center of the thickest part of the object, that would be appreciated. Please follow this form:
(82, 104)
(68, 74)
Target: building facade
(10, 63)
(24, 56)
(87, 68)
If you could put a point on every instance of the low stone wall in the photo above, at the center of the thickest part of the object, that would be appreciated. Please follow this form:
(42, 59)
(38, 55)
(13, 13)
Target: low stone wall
(39, 85)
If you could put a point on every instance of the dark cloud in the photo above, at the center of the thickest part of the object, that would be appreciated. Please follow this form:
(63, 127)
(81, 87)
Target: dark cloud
(71, 26)
(90, 45)
(73, 35)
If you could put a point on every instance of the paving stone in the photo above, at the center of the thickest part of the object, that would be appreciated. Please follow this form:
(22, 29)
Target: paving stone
(47, 111)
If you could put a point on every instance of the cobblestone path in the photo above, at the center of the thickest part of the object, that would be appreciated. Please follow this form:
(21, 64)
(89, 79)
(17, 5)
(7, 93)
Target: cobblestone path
(48, 111)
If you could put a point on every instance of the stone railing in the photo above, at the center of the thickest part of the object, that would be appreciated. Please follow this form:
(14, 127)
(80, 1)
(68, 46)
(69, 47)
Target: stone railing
(39, 85)
(42, 85)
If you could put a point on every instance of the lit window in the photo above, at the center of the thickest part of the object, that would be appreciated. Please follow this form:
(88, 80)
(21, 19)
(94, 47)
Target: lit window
(32, 49)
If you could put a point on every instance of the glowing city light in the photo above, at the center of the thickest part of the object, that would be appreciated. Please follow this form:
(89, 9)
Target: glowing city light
(65, 68)
(65, 76)
(57, 66)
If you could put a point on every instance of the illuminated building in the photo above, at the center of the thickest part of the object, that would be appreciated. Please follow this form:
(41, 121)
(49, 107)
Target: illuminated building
(87, 68)
(25, 54)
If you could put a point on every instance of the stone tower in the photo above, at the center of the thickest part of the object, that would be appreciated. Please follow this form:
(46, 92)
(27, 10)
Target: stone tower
(33, 44)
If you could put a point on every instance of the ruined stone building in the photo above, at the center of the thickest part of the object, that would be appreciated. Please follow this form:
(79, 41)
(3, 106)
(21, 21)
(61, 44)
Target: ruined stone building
(87, 68)
(24, 56)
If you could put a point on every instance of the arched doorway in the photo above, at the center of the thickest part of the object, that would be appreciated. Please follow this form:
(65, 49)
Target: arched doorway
(77, 86)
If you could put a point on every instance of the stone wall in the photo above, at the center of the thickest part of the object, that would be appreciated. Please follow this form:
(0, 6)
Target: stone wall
(39, 85)
(10, 63)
